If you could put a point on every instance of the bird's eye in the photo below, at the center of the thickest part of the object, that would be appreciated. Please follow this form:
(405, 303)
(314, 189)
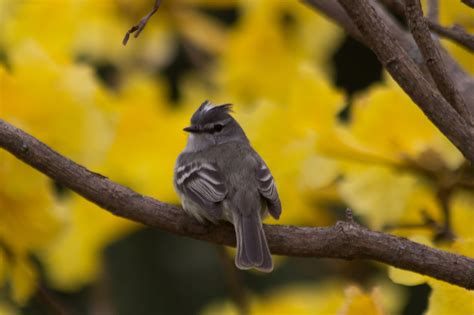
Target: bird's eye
(218, 127)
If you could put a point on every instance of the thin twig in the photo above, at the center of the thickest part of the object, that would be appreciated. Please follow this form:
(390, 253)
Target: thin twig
(426, 222)
(456, 33)
(138, 28)
(431, 53)
(343, 240)
(444, 197)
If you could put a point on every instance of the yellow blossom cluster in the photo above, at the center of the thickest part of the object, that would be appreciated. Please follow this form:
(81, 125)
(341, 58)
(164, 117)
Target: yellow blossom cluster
(387, 162)
(330, 297)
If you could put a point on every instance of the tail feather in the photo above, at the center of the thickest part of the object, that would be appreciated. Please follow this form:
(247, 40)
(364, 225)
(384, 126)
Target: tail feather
(252, 247)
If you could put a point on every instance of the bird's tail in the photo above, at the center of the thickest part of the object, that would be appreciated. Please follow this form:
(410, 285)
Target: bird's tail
(252, 247)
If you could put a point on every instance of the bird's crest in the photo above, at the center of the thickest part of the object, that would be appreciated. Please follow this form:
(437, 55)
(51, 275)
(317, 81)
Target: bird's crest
(208, 113)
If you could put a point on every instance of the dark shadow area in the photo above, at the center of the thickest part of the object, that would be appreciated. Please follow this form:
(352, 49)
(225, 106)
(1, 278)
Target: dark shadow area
(356, 66)
(418, 299)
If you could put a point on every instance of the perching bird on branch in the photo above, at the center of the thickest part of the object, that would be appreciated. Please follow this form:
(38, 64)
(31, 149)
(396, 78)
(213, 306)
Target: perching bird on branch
(219, 176)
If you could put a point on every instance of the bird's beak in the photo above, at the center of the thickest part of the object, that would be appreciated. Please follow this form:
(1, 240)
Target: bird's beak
(191, 129)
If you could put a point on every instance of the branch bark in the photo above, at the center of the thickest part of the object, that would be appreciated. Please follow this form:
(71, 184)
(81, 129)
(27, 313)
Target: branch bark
(431, 53)
(403, 69)
(455, 33)
(345, 240)
(138, 28)
(332, 9)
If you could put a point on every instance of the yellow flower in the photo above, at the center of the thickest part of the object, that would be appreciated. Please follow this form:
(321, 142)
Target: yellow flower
(329, 297)
(378, 193)
(389, 155)
(23, 276)
(28, 222)
(74, 258)
(27, 216)
(147, 141)
(445, 298)
(361, 303)
(449, 299)
(285, 135)
(263, 56)
(88, 30)
(7, 309)
(385, 119)
(62, 104)
(92, 31)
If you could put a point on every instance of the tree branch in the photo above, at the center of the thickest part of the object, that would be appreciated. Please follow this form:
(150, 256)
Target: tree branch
(403, 69)
(345, 240)
(456, 33)
(138, 28)
(431, 53)
(332, 9)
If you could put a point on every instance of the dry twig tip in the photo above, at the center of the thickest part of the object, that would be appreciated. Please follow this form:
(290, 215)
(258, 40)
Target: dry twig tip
(138, 28)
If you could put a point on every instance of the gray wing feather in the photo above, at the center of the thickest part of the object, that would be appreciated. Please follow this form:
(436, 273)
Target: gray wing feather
(203, 183)
(267, 188)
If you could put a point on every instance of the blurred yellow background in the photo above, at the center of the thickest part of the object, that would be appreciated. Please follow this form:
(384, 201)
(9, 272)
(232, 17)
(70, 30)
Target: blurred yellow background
(331, 143)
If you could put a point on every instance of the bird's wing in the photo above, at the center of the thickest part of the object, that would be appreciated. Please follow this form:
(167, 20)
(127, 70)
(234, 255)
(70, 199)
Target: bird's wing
(268, 190)
(202, 182)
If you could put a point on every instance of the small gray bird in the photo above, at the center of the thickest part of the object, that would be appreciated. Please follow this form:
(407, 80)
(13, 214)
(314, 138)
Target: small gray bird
(219, 176)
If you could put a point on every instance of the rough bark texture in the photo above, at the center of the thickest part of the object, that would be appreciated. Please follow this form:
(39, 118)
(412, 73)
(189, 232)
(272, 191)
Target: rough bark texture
(138, 28)
(430, 50)
(345, 240)
(332, 9)
(384, 42)
(455, 33)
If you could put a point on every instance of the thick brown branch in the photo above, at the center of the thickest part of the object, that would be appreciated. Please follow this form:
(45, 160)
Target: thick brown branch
(332, 9)
(455, 33)
(138, 28)
(396, 60)
(431, 53)
(345, 240)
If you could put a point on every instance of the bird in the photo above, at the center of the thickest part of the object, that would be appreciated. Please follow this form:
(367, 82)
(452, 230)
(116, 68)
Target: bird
(220, 177)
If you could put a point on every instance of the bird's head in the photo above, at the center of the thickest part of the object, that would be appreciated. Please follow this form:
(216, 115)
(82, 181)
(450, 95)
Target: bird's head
(212, 125)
